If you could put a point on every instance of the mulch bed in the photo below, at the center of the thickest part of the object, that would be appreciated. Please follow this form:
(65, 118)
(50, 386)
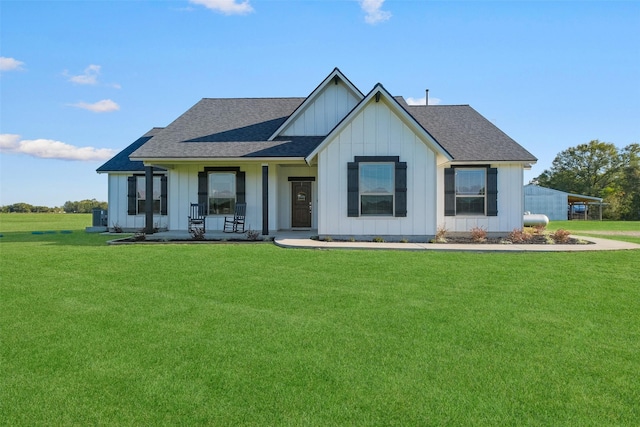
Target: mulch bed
(129, 240)
(534, 240)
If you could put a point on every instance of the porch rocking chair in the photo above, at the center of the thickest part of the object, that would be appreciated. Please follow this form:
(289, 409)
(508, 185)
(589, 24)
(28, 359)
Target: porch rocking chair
(235, 224)
(196, 217)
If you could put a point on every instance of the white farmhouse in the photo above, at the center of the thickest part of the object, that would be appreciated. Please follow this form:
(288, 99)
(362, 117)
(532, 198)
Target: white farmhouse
(338, 161)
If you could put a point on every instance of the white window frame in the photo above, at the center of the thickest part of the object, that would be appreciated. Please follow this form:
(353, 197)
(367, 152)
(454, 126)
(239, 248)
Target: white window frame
(469, 193)
(215, 208)
(141, 199)
(391, 192)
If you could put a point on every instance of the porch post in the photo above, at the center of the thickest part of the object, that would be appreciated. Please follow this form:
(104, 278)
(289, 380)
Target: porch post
(265, 200)
(148, 205)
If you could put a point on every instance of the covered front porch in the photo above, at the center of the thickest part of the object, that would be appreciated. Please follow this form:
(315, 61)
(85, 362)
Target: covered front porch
(281, 195)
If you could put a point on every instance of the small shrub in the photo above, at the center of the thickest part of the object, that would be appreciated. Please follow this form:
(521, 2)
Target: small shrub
(117, 228)
(328, 239)
(252, 234)
(539, 229)
(197, 233)
(352, 239)
(441, 234)
(404, 240)
(478, 234)
(518, 235)
(378, 239)
(560, 236)
(140, 236)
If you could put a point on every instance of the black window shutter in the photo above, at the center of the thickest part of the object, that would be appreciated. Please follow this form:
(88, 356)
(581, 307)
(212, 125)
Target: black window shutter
(203, 191)
(492, 192)
(449, 192)
(163, 195)
(353, 189)
(240, 187)
(401, 189)
(131, 195)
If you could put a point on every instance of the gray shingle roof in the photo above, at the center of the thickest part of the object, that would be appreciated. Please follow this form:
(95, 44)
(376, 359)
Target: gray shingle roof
(467, 135)
(230, 127)
(121, 163)
(240, 127)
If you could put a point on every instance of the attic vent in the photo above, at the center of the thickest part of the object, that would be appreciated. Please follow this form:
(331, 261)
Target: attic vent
(336, 79)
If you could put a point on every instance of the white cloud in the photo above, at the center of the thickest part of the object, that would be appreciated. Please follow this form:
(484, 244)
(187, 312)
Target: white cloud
(423, 100)
(104, 106)
(10, 64)
(9, 141)
(228, 7)
(373, 11)
(89, 77)
(50, 149)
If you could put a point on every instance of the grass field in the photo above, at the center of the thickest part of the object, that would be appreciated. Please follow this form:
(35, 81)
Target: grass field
(242, 334)
(628, 231)
(43, 222)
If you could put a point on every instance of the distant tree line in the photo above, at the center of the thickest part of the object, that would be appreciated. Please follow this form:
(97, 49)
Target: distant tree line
(82, 206)
(599, 169)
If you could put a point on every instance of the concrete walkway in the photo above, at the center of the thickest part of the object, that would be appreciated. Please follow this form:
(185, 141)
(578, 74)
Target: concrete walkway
(302, 239)
(597, 245)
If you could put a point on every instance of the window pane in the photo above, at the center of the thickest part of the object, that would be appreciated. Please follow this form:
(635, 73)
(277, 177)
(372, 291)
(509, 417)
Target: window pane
(376, 178)
(222, 193)
(156, 188)
(470, 181)
(376, 205)
(470, 205)
(141, 190)
(377, 188)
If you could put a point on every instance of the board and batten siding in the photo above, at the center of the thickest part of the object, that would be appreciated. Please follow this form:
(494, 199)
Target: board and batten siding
(510, 204)
(318, 118)
(183, 190)
(377, 131)
(118, 203)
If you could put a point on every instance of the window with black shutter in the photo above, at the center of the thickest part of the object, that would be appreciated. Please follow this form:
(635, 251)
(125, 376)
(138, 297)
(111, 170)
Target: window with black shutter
(471, 190)
(220, 188)
(377, 186)
(137, 197)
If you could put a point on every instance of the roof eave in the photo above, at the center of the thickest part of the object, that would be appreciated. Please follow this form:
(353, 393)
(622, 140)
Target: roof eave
(528, 163)
(184, 160)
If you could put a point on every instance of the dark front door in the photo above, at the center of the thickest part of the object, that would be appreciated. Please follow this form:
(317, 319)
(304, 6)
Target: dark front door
(301, 204)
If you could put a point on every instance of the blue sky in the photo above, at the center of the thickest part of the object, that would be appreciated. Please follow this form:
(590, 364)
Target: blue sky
(81, 80)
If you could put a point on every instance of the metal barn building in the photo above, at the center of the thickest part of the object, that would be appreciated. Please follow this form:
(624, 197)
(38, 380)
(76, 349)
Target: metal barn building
(559, 206)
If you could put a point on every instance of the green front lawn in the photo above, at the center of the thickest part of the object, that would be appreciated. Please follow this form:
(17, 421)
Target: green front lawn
(628, 231)
(576, 225)
(43, 222)
(242, 334)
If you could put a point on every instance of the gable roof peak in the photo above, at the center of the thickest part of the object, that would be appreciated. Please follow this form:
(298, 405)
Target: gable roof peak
(334, 77)
(377, 93)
